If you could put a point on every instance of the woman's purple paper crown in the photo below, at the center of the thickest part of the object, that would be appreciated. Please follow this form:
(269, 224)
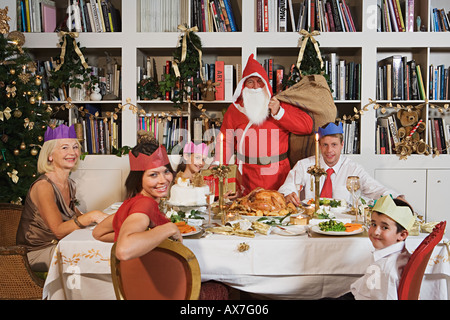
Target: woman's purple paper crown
(61, 132)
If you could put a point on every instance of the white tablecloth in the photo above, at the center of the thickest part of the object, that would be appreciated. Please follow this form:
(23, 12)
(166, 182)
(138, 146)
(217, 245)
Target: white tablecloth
(274, 266)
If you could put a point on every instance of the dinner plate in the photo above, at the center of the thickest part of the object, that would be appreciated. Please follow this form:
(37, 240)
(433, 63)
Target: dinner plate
(316, 229)
(289, 230)
(197, 230)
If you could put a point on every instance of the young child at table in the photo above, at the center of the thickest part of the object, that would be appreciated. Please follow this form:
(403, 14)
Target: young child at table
(192, 161)
(139, 226)
(391, 219)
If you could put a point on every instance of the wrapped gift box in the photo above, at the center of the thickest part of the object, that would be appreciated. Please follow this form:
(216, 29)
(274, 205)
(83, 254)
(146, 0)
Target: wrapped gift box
(231, 182)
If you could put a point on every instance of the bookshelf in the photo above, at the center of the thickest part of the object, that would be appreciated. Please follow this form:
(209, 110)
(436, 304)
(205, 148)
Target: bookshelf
(416, 176)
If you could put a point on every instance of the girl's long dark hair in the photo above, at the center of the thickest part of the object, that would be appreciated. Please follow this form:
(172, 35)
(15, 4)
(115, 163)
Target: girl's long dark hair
(146, 145)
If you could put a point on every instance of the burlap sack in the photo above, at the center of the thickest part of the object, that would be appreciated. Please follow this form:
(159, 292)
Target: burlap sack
(312, 94)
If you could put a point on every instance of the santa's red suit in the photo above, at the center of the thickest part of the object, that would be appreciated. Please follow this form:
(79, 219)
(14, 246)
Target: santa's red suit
(261, 150)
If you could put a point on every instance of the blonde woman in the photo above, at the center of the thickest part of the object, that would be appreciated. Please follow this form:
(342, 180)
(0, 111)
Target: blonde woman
(49, 213)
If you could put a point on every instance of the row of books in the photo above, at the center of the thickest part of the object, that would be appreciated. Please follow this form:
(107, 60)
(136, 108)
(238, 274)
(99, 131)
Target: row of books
(395, 15)
(438, 82)
(213, 16)
(399, 79)
(168, 131)
(386, 134)
(94, 16)
(162, 15)
(438, 134)
(351, 137)
(36, 15)
(96, 135)
(287, 15)
(82, 16)
(440, 21)
(345, 77)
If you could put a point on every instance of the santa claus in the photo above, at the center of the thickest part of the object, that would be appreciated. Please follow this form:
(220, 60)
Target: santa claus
(256, 128)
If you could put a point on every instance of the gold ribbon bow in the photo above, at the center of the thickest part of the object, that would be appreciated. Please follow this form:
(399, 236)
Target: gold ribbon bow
(13, 175)
(28, 124)
(5, 114)
(184, 50)
(73, 35)
(309, 36)
(11, 91)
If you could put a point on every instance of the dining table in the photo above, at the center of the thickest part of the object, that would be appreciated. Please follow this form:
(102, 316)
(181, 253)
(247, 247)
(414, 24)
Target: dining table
(279, 265)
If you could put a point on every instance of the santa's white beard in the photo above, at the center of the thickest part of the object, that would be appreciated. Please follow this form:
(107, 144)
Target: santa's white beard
(256, 104)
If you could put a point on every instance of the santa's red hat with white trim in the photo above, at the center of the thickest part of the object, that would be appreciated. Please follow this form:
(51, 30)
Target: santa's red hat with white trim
(252, 69)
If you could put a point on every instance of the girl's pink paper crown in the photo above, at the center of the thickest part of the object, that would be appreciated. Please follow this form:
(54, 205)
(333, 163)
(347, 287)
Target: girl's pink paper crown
(61, 132)
(191, 147)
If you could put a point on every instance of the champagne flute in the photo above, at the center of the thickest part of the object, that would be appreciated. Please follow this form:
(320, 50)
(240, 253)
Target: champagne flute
(353, 186)
(298, 185)
(210, 199)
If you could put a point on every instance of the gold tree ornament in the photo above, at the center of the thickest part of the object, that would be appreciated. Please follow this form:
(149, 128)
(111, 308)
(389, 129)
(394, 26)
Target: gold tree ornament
(4, 25)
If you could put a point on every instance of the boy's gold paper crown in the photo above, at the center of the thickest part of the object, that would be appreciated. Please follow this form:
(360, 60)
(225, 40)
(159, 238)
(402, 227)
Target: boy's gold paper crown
(401, 215)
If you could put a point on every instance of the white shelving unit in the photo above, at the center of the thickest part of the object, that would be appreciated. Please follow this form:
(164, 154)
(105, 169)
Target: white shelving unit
(101, 178)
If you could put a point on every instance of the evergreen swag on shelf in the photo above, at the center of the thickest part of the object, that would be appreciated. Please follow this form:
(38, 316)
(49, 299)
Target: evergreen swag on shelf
(309, 63)
(23, 118)
(185, 75)
(73, 70)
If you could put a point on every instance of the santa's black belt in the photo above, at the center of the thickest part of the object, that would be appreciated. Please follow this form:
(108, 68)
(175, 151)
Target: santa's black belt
(262, 160)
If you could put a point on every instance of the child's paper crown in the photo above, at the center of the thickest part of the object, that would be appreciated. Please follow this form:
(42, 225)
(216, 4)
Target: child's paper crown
(331, 128)
(402, 215)
(191, 147)
(61, 132)
(144, 162)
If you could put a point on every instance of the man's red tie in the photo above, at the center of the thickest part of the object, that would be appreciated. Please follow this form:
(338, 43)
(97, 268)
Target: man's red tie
(327, 189)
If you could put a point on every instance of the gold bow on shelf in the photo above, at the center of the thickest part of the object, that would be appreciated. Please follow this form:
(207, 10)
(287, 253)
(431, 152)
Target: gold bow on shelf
(309, 36)
(187, 32)
(73, 35)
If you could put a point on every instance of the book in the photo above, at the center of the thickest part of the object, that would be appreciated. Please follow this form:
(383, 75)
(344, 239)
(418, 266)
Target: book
(282, 15)
(219, 78)
(48, 12)
(229, 89)
(420, 83)
(231, 17)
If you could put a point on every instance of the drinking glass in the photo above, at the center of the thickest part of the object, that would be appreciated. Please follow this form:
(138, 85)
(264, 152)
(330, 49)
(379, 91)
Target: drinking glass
(210, 199)
(353, 186)
(298, 185)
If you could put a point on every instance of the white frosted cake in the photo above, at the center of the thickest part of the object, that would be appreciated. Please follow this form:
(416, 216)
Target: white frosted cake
(184, 194)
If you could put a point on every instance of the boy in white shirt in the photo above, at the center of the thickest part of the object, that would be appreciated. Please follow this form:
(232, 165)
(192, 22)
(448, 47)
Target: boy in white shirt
(391, 219)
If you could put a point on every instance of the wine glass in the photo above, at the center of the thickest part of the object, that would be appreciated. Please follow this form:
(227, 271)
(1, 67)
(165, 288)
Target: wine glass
(210, 199)
(298, 185)
(353, 186)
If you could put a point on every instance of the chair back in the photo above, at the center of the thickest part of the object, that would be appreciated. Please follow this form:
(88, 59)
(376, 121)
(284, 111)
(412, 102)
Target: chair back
(411, 279)
(168, 272)
(9, 222)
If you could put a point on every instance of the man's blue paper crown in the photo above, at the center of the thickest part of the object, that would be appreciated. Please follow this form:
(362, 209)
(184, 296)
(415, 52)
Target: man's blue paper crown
(331, 128)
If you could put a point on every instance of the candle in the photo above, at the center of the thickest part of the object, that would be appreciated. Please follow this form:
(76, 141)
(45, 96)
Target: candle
(221, 148)
(317, 149)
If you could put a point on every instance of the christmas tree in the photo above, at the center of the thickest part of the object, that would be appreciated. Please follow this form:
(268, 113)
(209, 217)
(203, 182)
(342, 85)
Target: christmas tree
(23, 117)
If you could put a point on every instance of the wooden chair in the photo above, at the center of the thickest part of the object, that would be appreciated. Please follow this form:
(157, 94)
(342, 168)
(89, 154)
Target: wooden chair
(168, 272)
(17, 280)
(411, 279)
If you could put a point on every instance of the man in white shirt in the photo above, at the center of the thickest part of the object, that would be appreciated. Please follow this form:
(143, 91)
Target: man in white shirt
(331, 143)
